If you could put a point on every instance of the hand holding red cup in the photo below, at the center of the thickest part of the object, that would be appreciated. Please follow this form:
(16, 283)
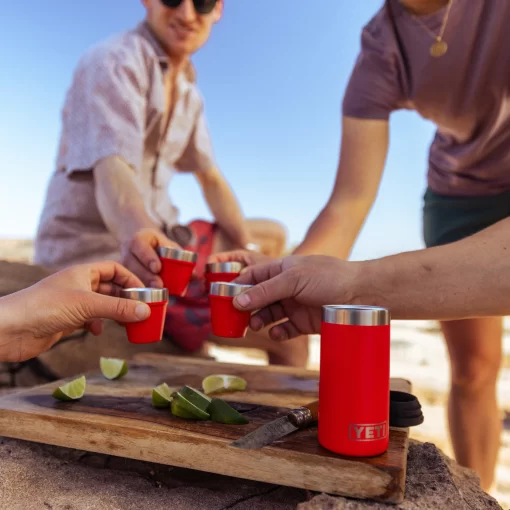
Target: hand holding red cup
(176, 269)
(226, 320)
(149, 330)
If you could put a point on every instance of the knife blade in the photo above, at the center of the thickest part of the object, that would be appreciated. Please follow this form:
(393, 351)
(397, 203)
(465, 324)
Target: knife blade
(266, 434)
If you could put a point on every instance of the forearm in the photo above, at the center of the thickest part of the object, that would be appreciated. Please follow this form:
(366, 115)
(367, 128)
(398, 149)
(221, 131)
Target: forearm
(226, 211)
(362, 157)
(470, 278)
(335, 230)
(119, 202)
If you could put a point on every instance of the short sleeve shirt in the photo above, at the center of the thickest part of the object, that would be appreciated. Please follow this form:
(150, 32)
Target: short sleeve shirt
(115, 107)
(465, 93)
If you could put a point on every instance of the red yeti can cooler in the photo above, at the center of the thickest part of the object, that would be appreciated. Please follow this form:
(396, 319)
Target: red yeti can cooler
(354, 384)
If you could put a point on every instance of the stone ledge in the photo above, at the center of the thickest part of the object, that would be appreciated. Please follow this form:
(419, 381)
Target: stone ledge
(34, 476)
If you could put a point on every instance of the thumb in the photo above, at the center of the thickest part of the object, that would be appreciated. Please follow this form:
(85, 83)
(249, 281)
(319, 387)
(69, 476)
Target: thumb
(117, 309)
(265, 293)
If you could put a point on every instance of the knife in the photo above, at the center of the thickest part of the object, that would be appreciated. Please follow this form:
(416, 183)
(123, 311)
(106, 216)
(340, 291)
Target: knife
(266, 434)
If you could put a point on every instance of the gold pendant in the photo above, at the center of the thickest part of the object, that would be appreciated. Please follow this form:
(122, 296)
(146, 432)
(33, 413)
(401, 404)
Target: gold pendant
(439, 48)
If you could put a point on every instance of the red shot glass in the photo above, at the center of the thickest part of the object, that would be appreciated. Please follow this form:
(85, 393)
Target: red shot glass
(354, 383)
(226, 320)
(222, 272)
(149, 330)
(176, 269)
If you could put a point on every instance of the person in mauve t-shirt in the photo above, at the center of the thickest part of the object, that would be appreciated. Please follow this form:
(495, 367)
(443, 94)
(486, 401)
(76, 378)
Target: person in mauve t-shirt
(450, 62)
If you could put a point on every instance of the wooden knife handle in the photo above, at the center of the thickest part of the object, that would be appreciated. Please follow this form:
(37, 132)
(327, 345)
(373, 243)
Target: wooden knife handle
(305, 415)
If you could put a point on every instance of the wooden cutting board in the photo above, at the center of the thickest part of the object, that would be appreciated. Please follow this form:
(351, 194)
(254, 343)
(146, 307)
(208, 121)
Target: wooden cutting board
(116, 418)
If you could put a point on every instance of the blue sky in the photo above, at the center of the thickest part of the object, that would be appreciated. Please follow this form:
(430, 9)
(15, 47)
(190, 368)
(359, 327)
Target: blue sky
(273, 75)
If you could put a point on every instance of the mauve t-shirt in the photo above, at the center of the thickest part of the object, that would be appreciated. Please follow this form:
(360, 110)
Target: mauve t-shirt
(466, 92)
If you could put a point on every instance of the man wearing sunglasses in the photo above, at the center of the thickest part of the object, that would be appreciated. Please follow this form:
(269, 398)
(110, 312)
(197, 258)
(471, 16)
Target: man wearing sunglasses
(133, 116)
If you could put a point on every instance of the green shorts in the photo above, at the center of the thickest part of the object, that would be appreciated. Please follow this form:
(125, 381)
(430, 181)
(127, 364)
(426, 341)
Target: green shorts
(448, 219)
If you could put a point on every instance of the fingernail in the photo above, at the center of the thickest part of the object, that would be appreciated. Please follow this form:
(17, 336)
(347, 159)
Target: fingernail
(155, 284)
(243, 300)
(153, 266)
(142, 311)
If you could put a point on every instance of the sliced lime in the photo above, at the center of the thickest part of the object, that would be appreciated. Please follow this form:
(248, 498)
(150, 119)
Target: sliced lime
(221, 412)
(73, 390)
(113, 368)
(180, 412)
(197, 398)
(161, 396)
(184, 404)
(220, 382)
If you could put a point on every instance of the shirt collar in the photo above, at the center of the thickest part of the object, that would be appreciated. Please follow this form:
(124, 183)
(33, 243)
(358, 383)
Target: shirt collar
(145, 31)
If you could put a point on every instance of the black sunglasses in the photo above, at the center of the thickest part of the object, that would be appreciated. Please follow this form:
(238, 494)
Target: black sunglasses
(201, 6)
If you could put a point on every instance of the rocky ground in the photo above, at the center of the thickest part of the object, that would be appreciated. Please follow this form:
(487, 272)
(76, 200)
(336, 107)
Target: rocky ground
(34, 477)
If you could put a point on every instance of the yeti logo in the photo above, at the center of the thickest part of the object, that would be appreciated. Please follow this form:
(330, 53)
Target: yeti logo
(368, 432)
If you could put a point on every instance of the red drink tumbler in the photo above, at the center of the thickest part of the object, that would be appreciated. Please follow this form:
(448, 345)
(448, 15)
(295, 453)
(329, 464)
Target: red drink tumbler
(176, 269)
(226, 320)
(149, 330)
(354, 383)
(222, 272)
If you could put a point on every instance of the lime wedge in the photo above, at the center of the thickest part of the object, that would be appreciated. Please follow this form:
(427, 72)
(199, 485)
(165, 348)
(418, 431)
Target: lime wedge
(217, 383)
(185, 405)
(180, 412)
(161, 396)
(73, 390)
(196, 397)
(221, 412)
(113, 368)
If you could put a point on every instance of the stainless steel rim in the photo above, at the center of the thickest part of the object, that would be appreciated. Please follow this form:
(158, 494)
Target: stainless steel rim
(228, 289)
(224, 267)
(145, 295)
(356, 315)
(176, 254)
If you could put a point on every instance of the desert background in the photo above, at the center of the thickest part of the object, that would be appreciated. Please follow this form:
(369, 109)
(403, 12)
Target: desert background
(417, 354)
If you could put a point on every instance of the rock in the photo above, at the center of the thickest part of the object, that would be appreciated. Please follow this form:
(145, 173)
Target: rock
(39, 477)
(34, 476)
(433, 482)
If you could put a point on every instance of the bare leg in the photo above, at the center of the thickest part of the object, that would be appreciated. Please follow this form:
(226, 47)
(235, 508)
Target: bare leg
(475, 427)
(271, 236)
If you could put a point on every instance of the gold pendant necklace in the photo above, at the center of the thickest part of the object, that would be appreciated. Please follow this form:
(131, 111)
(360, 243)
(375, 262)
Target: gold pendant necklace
(438, 47)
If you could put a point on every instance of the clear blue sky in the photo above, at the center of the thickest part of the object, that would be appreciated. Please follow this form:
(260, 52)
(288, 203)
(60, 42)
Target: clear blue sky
(273, 76)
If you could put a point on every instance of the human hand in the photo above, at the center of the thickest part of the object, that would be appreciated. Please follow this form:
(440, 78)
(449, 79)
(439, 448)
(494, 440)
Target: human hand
(139, 255)
(293, 290)
(34, 319)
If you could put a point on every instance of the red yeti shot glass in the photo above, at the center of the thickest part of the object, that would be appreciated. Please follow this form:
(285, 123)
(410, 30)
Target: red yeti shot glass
(176, 269)
(354, 383)
(226, 320)
(222, 272)
(149, 330)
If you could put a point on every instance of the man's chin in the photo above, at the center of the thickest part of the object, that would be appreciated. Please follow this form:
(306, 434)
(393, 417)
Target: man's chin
(180, 49)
